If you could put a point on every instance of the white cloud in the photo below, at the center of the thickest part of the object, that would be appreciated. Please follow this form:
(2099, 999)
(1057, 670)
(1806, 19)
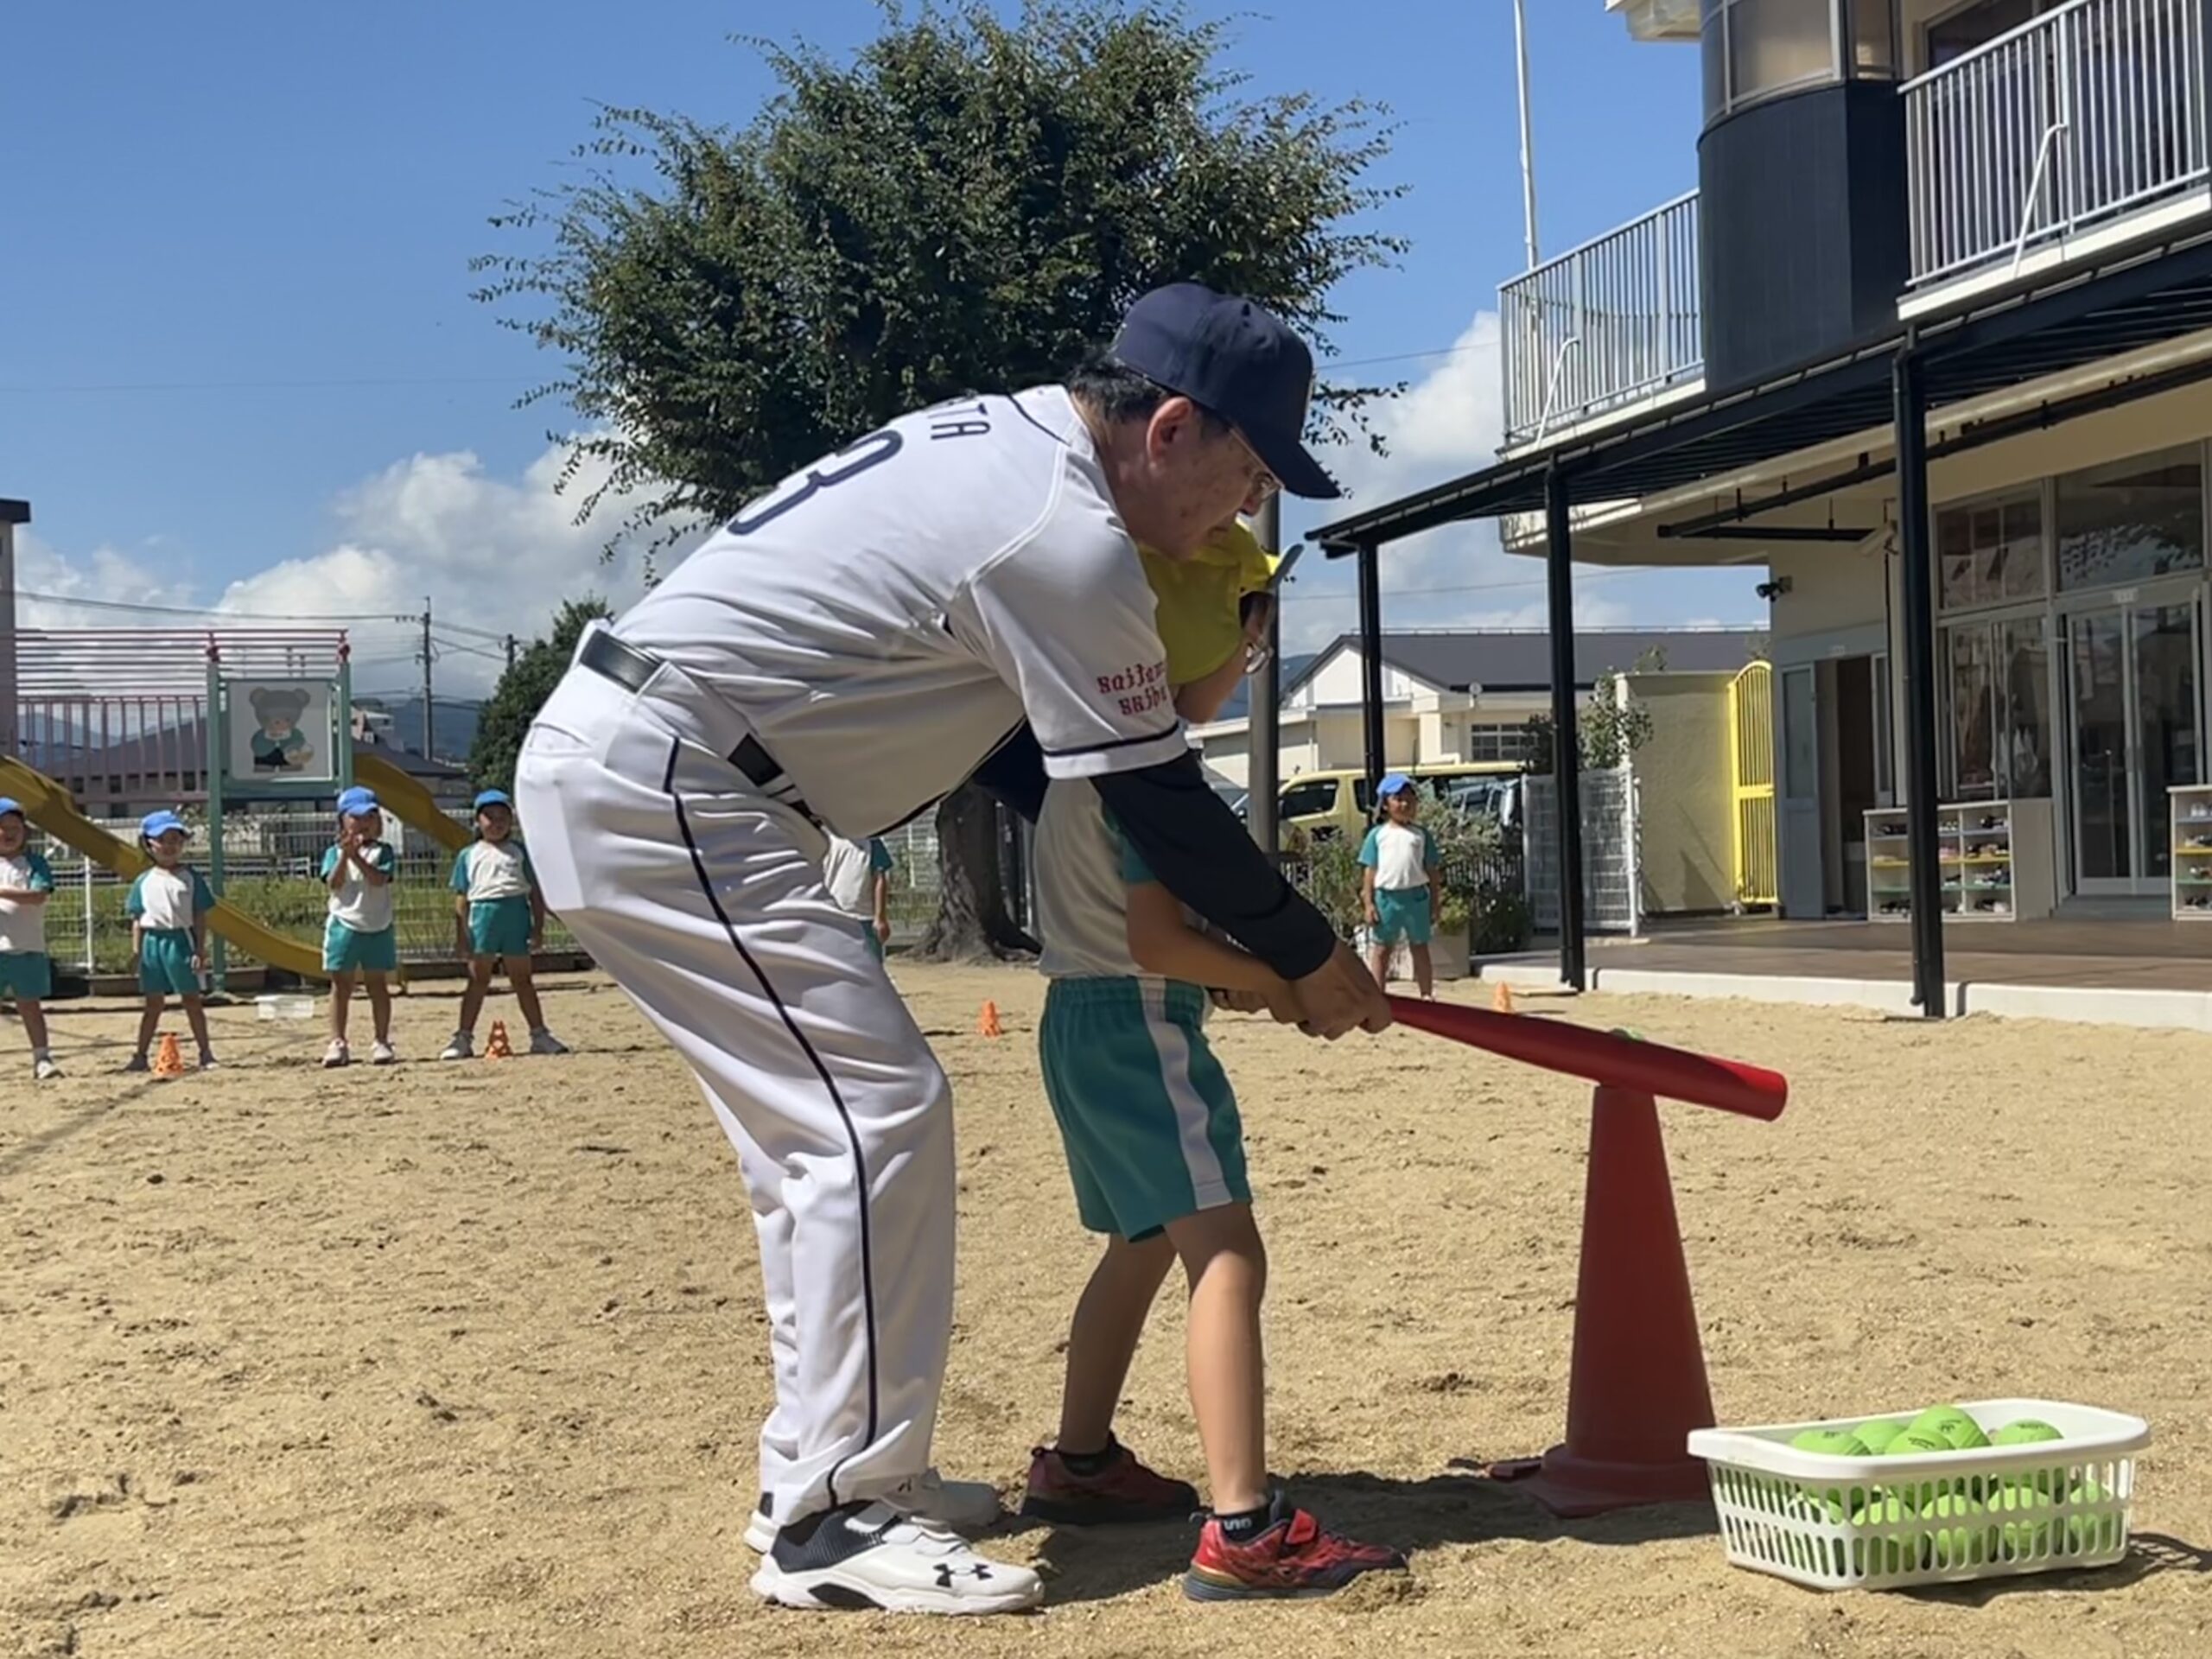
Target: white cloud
(492, 555)
(1445, 425)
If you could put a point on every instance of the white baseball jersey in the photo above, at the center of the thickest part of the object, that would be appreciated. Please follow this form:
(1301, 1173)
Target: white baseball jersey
(885, 619)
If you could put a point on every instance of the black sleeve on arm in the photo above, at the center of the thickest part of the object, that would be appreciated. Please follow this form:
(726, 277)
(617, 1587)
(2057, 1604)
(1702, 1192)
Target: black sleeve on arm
(1193, 843)
(1015, 773)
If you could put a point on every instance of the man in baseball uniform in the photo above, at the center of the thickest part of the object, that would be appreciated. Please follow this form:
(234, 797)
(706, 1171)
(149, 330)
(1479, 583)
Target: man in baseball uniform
(958, 595)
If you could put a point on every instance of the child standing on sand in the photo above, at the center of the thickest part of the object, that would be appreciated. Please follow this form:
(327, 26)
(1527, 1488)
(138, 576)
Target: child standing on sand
(26, 975)
(360, 940)
(168, 907)
(498, 921)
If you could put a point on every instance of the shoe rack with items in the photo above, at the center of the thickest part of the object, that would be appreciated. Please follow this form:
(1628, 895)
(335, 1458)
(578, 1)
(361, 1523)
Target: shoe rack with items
(2192, 820)
(1996, 860)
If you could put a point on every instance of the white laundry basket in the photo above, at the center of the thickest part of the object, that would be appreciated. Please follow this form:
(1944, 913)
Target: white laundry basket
(1934, 1517)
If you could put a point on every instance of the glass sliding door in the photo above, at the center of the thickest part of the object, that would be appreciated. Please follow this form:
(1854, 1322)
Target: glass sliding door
(2104, 838)
(2135, 704)
(2168, 745)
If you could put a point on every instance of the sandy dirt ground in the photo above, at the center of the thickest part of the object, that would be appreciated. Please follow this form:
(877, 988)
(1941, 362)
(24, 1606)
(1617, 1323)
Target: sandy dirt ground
(468, 1358)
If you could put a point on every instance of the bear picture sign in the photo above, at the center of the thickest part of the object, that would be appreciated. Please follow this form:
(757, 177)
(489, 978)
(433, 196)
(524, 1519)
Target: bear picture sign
(280, 731)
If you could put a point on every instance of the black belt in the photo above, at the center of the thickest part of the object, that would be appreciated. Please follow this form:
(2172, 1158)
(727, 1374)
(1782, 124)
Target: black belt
(630, 668)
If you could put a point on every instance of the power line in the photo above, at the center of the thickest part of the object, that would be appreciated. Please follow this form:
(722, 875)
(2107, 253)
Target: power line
(355, 617)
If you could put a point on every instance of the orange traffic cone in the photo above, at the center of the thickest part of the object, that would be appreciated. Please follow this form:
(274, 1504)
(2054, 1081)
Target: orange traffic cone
(1502, 999)
(168, 1062)
(498, 1048)
(988, 1025)
(1637, 1385)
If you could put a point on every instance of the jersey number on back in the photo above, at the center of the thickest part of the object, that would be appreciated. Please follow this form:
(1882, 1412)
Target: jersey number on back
(847, 463)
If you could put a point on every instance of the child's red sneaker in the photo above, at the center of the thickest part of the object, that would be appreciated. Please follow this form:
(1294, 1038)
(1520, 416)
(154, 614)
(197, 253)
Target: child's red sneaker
(1121, 1491)
(1291, 1557)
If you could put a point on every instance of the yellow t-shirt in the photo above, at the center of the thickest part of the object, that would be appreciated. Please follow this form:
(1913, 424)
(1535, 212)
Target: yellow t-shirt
(1199, 597)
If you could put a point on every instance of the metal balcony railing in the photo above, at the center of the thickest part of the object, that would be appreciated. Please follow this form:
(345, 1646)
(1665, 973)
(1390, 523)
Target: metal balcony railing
(1614, 320)
(2088, 113)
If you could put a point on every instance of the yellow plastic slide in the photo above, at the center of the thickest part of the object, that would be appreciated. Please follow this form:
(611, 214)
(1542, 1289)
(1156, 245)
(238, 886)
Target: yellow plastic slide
(408, 801)
(50, 807)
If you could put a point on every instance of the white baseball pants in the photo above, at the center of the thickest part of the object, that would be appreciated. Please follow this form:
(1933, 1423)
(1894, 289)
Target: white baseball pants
(703, 898)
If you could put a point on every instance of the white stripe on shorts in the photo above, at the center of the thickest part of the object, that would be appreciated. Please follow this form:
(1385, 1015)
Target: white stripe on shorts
(1209, 1186)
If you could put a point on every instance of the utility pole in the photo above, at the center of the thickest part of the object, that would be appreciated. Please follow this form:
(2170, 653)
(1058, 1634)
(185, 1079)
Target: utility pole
(427, 705)
(1528, 141)
(510, 653)
(11, 734)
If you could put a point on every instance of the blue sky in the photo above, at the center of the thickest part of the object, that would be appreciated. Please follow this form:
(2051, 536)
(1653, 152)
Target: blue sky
(238, 362)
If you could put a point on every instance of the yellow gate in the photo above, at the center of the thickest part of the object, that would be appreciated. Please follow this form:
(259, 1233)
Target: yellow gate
(1751, 743)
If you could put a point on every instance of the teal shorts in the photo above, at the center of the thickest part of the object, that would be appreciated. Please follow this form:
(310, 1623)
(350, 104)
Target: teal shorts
(1145, 1111)
(348, 950)
(27, 975)
(1402, 915)
(499, 927)
(165, 963)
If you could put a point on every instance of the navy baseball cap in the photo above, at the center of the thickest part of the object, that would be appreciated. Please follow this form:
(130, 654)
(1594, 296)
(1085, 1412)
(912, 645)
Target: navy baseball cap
(154, 825)
(356, 801)
(494, 798)
(1234, 360)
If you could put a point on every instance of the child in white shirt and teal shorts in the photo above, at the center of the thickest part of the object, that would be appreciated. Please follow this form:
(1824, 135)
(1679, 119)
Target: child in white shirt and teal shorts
(498, 921)
(360, 940)
(26, 973)
(1403, 883)
(1156, 1153)
(167, 906)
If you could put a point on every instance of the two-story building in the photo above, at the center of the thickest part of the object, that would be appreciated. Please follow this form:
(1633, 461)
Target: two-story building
(1932, 343)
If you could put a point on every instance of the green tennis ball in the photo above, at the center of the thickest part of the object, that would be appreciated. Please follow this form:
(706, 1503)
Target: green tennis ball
(1885, 1554)
(1832, 1443)
(2090, 1534)
(1911, 1442)
(1956, 1546)
(2029, 1431)
(1952, 1426)
(1877, 1436)
(2022, 1538)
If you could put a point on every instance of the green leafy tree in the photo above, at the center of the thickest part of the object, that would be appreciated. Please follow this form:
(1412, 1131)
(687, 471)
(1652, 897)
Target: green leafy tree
(521, 692)
(968, 204)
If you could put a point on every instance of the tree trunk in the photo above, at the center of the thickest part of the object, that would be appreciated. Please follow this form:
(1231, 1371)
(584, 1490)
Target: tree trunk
(973, 921)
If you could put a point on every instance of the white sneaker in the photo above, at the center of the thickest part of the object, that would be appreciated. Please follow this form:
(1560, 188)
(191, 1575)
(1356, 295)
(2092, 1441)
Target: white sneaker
(383, 1054)
(543, 1041)
(45, 1070)
(463, 1048)
(950, 1505)
(337, 1054)
(870, 1556)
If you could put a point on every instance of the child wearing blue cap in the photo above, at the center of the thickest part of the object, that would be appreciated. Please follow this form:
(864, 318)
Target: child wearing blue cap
(1403, 883)
(360, 942)
(498, 920)
(168, 907)
(26, 975)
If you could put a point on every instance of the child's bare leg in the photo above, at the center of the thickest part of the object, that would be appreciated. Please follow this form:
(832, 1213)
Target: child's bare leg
(342, 1002)
(380, 1004)
(1378, 963)
(195, 1015)
(1425, 971)
(150, 1022)
(533, 1012)
(1103, 1338)
(479, 987)
(1227, 1267)
(33, 1016)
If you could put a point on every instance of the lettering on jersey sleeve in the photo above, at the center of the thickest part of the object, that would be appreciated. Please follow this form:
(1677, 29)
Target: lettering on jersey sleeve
(960, 420)
(1137, 690)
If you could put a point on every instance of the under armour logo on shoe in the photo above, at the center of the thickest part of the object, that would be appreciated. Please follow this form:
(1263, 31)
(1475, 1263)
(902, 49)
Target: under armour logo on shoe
(944, 1574)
